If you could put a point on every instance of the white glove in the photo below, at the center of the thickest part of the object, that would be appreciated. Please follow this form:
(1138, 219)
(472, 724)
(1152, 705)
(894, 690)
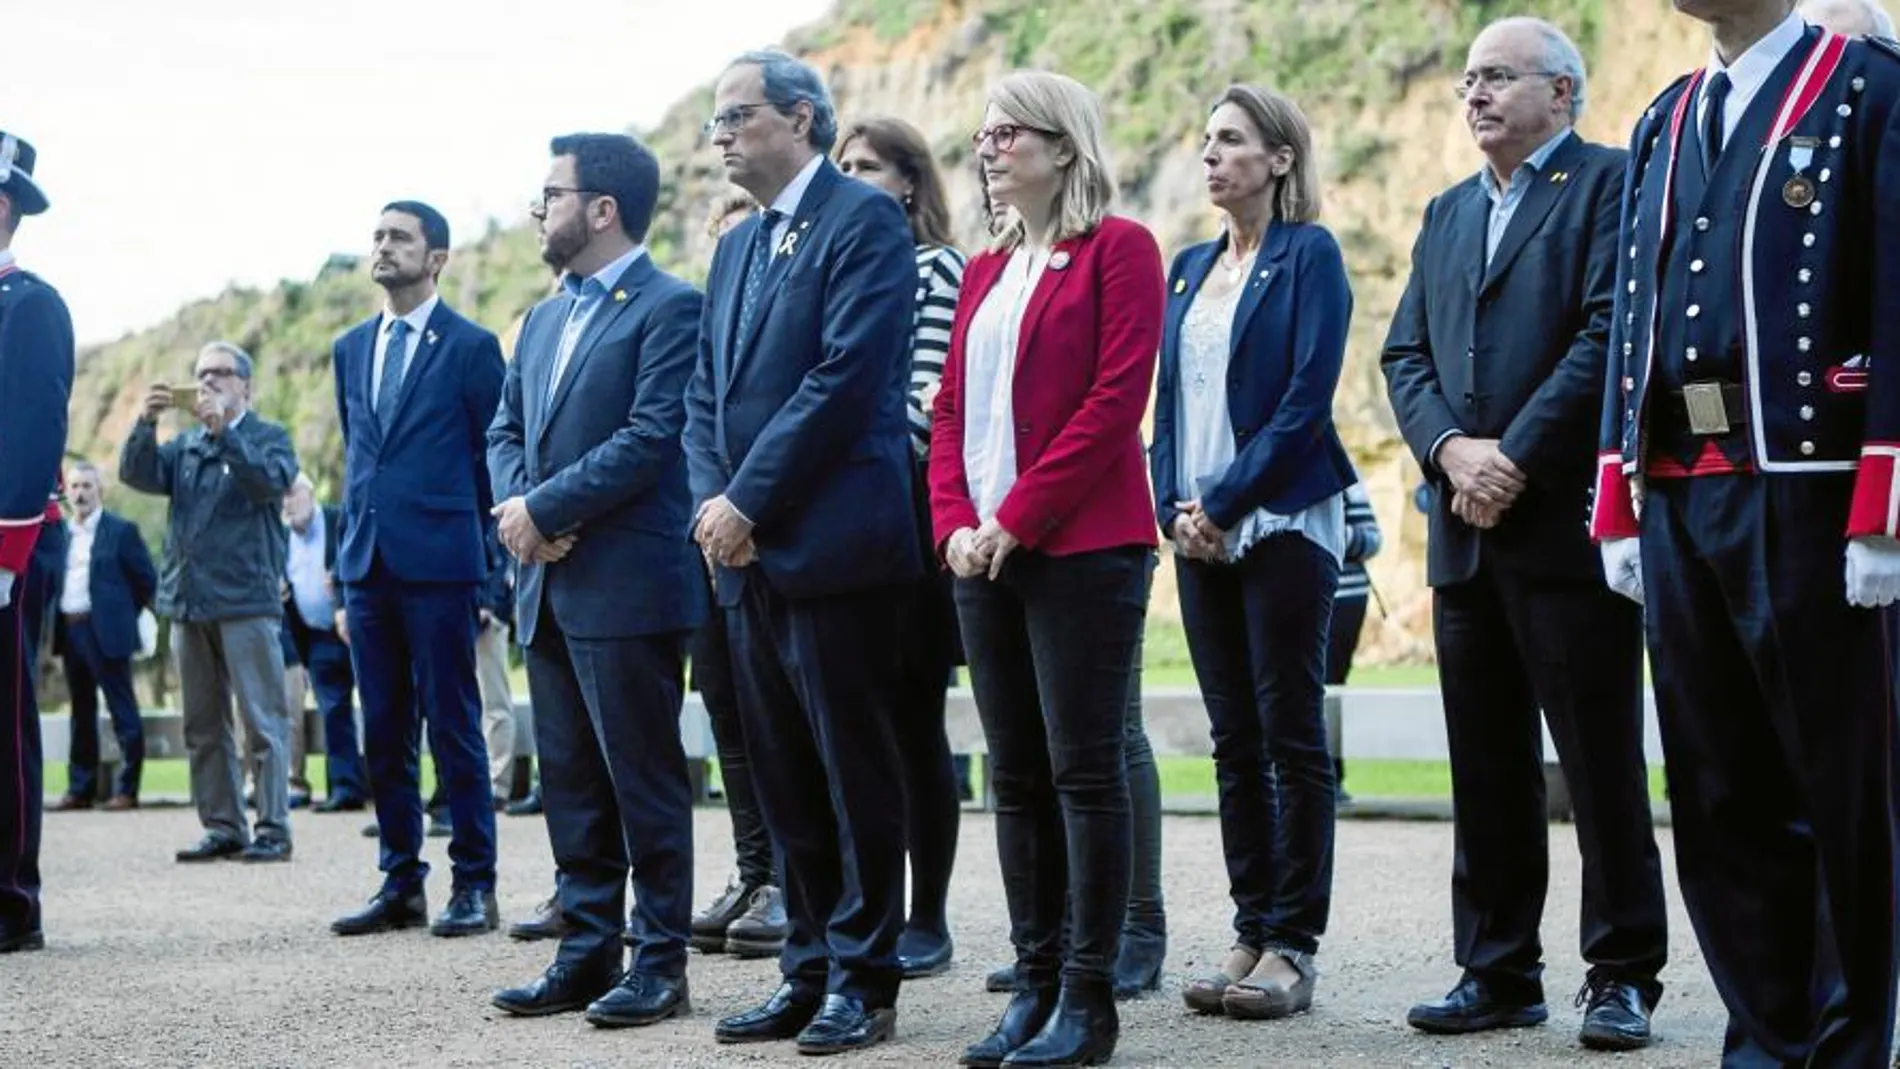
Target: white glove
(1623, 566)
(1873, 572)
(6, 588)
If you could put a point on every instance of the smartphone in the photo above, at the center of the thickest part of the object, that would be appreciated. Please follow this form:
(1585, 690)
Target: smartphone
(185, 398)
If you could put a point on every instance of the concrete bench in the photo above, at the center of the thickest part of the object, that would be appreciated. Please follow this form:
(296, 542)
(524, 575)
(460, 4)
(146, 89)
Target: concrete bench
(1366, 722)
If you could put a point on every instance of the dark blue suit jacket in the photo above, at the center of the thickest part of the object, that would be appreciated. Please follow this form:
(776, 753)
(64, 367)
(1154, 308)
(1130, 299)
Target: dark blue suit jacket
(418, 497)
(121, 581)
(802, 425)
(601, 458)
(1287, 348)
(36, 379)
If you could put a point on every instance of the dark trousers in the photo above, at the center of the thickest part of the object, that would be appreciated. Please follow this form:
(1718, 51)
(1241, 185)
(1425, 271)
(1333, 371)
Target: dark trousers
(413, 647)
(1342, 641)
(89, 671)
(618, 798)
(1147, 913)
(712, 677)
(20, 759)
(1777, 713)
(334, 682)
(1051, 643)
(1508, 645)
(932, 813)
(1257, 631)
(818, 685)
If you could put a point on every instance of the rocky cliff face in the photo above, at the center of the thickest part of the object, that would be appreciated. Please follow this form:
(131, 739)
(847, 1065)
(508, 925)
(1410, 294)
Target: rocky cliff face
(1372, 75)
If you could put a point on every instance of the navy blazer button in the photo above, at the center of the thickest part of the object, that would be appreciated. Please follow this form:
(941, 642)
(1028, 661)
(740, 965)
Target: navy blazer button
(1807, 449)
(1807, 241)
(1804, 378)
(1825, 174)
(1702, 222)
(1695, 268)
(1807, 412)
(1690, 354)
(1804, 275)
(1804, 344)
(1834, 142)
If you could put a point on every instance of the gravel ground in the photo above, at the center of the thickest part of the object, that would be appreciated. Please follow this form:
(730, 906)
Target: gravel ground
(155, 964)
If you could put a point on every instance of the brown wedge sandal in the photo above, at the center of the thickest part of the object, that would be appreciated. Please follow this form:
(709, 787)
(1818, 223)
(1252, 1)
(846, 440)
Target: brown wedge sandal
(1259, 998)
(1205, 994)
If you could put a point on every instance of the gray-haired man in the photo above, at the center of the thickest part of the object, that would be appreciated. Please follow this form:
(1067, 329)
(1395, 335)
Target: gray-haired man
(224, 561)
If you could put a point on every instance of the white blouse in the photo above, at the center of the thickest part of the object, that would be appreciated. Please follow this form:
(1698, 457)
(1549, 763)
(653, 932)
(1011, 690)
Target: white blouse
(989, 380)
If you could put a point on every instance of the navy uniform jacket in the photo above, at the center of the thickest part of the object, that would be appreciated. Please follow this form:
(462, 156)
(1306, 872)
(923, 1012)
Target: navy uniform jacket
(121, 581)
(1513, 351)
(418, 497)
(1818, 285)
(602, 458)
(36, 381)
(802, 425)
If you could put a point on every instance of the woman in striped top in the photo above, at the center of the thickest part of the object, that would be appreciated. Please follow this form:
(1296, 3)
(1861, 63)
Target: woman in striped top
(1349, 605)
(893, 156)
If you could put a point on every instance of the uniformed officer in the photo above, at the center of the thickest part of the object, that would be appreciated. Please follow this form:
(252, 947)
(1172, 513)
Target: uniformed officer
(36, 380)
(1752, 438)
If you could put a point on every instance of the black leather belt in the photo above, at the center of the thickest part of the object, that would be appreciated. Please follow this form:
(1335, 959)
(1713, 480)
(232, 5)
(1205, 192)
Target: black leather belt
(1707, 409)
(78, 617)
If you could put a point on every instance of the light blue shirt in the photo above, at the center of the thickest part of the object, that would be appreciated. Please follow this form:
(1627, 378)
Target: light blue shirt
(308, 579)
(1504, 202)
(418, 320)
(589, 294)
(788, 199)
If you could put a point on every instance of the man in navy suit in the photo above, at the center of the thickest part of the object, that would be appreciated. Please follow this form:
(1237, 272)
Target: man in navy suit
(416, 385)
(109, 578)
(591, 481)
(36, 380)
(1494, 363)
(796, 438)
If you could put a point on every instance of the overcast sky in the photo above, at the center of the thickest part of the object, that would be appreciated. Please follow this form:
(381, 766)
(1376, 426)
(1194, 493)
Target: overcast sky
(193, 143)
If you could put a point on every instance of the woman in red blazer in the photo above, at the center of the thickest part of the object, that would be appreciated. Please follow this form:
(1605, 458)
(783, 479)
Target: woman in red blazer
(1040, 506)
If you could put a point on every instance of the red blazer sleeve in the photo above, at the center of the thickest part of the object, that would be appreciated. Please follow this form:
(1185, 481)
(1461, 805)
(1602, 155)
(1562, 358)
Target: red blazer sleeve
(1129, 294)
(951, 508)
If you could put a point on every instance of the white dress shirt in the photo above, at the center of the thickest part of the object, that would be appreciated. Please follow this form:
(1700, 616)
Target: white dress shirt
(76, 596)
(788, 199)
(418, 320)
(1749, 72)
(989, 382)
(309, 586)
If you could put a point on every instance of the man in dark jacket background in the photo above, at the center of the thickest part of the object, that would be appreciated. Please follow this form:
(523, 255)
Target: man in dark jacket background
(224, 567)
(311, 618)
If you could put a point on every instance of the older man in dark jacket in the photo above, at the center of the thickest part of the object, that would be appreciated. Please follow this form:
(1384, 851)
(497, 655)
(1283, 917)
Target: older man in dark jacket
(224, 566)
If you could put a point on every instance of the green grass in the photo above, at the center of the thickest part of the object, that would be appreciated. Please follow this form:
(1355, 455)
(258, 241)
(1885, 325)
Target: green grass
(1181, 778)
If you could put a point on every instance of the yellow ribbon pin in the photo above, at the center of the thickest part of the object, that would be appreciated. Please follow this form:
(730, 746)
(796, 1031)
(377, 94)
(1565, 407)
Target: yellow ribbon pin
(620, 295)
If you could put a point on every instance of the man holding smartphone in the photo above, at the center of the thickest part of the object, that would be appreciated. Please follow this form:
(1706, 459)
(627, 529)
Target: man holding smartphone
(224, 560)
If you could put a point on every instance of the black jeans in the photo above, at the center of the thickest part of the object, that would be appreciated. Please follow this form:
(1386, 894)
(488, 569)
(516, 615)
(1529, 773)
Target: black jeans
(711, 654)
(1146, 914)
(1051, 644)
(932, 812)
(1257, 632)
(88, 671)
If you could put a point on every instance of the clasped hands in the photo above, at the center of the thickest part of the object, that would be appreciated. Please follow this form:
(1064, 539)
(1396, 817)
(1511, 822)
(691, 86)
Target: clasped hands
(723, 535)
(1484, 481)
(520, 537)
(1196, 536)
(979, 552)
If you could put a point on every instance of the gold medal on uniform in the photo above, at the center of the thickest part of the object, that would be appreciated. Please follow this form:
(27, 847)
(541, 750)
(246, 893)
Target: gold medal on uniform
(1798, 191)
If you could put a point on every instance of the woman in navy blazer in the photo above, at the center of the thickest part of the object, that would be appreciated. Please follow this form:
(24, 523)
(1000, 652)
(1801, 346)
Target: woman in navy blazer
(1040, 506)
(1249, 482)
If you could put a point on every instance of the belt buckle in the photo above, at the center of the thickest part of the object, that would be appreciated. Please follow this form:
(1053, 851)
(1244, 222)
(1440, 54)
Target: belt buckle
(1707, 414)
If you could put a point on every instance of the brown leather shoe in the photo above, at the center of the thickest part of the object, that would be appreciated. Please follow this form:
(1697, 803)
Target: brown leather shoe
(71, 802)
(119, 803)
(1204, 994)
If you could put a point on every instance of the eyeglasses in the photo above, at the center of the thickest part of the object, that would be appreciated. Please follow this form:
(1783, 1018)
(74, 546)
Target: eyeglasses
(733, 117)
(550, 194)
(1495, 79)
(216, 373)
(1004, 134)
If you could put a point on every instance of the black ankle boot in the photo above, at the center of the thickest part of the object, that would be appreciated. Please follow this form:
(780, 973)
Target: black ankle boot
(1082, 1029)
(1027, 1012)
(1138, 964)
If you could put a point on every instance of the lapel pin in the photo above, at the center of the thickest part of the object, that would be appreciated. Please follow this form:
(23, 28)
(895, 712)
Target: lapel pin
(620, 295)
(430, 337)
(1559, 176)
(1180, 285)
(1266, 272)
(1059, 261)
(789, 245)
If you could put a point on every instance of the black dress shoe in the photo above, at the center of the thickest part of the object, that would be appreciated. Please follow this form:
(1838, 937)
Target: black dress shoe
(439, 827)
(469, 912)
(548, 922)
(299, 799)
(211, 848)
(1082, 1028)
(1138, 963)
(1473, 1007)
(641, 999)
(1003, 979)
(372, 830)
(1616, 1017)
(929, 960)
(527, 807)
(19, 942)
(561, 989)
(782, 1016)
(1027, 1012)
(335, 804)
(386, 912)
(846, 1024)
(70, 802)
(266, 849)
(710, 924)
(759, 932)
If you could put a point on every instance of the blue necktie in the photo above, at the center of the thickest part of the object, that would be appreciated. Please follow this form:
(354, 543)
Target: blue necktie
(390, 385)
(757, 263)
(1714, 120)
